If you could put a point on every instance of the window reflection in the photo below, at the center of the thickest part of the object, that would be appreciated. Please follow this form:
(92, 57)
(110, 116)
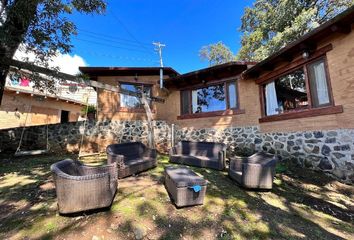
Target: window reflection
(132, 101)
(208, 99)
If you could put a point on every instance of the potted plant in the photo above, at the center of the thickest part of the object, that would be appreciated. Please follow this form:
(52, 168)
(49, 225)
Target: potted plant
(90, 110)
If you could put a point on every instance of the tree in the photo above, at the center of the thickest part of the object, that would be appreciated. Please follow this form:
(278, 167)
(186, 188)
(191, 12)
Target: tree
(40, 27)
(216, 53)
(268, 26)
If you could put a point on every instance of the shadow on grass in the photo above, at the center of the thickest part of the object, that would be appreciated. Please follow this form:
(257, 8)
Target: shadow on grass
(228, 212)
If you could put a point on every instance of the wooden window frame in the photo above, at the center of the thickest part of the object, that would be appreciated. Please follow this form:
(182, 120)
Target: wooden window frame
(134, 109)
(310, 111)
(227, 111)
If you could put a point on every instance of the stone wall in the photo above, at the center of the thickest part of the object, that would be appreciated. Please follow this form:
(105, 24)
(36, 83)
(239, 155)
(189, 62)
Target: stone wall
(328, 151)
(97, 135)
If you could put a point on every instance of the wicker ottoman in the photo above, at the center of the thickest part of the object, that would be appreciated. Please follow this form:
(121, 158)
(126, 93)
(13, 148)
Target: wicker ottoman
(185, 187)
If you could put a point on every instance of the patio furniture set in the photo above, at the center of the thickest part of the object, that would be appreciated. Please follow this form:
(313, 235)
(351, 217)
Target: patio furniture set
(80, 187)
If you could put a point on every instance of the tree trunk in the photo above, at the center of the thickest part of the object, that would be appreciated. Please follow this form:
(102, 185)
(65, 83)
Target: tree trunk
(151, 132)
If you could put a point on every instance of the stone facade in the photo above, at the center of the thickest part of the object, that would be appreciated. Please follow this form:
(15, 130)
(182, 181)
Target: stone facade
(67, 137)
(328, 151)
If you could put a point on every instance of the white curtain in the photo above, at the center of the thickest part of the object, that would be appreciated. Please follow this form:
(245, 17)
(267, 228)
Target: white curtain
(194, 101)
(321, 83)
(271, 99)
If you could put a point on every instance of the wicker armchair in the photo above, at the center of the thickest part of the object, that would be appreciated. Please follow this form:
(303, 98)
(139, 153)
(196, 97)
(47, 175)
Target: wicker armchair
(199, 154)
(80, 188)
(131, 158)
(256, 171)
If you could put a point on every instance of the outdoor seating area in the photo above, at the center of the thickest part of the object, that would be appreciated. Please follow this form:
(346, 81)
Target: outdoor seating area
(111, 128)
(300, 203)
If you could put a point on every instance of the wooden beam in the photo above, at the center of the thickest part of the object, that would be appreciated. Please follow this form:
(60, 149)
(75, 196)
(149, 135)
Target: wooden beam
(268, 67)
(340, 28)
(77, 79)
(320, 52)
(286, 57)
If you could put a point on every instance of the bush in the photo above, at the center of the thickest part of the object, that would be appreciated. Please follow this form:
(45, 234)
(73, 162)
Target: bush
(89, 109)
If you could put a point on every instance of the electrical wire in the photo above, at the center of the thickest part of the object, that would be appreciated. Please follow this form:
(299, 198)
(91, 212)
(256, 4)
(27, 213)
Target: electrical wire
(111, 37)
(126, 29)
(110, 45)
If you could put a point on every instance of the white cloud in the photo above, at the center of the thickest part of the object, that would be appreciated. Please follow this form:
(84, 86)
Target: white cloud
(67, 63)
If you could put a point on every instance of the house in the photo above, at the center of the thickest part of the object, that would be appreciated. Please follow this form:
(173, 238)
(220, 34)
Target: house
(23, 105)
(114, 106)
(297, 103)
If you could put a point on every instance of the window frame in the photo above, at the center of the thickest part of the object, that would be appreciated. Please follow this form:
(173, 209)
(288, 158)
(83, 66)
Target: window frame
(227, 111)
(134, 109)
(310, 111)
(328, 80)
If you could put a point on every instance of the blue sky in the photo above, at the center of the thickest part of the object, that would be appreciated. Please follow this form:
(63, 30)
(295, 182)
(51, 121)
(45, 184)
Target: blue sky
(123, 36)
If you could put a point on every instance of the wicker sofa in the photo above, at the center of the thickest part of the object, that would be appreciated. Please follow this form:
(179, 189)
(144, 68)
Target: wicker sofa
(199, 154)
(256, 171)
(131, 158)
(80, 188)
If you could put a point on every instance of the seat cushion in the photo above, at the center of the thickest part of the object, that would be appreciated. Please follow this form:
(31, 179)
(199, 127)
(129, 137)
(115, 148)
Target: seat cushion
(199, 161)
(136, 161)
(184, 177)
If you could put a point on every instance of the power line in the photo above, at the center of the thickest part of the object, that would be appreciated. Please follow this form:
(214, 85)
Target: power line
(115, 56)
(110, 45)
(95, 37)
(126, 29)
(113, 38)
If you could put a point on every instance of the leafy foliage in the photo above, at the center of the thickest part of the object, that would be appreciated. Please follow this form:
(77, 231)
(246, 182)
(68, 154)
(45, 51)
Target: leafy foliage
(216, 53)
(213, 92)
(268, 26)
(89, 109)
(40, 28)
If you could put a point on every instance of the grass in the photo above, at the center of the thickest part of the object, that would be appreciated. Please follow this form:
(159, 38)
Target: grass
(302, 205)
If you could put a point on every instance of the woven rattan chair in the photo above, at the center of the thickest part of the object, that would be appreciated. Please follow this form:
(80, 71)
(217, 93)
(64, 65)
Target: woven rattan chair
(131, 158)
(199, 154)
(80, 188)
(256, 171)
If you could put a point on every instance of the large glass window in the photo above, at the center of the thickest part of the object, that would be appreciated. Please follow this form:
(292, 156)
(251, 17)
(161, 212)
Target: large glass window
(209, 99)
(132, 101)
(318, 83)
(289, 92)
(232, 93)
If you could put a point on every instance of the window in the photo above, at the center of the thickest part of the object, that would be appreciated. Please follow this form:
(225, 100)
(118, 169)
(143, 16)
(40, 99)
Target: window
(212, 98)
(289, 93)
(127, 101)
(318, 84)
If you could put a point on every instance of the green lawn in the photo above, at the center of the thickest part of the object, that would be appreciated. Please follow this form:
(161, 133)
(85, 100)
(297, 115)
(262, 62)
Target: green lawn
(302, 205)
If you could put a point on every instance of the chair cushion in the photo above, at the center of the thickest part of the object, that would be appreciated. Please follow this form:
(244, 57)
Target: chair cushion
(136, 161)
(199, 161)
(184, 177)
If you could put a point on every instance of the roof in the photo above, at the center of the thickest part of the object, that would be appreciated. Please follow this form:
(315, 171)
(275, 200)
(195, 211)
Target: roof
(94, 72)
(39, 94)
(341, 24)
(224, 70)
